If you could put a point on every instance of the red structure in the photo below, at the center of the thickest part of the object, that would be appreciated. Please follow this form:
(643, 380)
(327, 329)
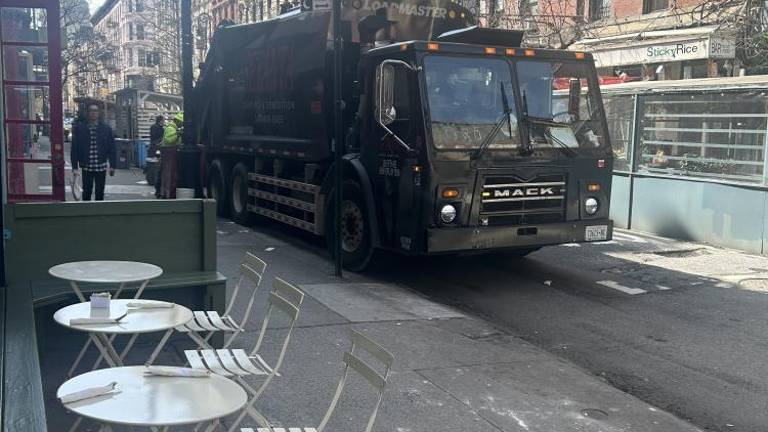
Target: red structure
(32, 107)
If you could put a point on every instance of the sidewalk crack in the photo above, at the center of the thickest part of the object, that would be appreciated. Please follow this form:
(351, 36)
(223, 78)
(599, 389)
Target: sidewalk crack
(446, 391)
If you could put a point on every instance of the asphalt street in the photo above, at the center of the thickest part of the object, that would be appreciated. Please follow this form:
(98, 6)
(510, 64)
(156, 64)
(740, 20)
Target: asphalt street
(681, 326)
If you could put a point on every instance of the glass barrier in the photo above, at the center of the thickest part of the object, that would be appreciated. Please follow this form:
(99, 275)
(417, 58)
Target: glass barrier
(28, 141)
(25, 63)
(620, 114)
(24, 24)
(27, 102)
(704, 135)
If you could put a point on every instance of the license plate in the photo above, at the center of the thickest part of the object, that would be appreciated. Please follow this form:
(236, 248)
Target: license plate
(596, 233)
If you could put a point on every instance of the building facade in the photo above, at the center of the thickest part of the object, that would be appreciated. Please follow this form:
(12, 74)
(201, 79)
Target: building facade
(642, 39)
(145, 34)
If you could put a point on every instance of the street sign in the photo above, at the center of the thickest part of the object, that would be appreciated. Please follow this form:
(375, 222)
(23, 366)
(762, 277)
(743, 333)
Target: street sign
(321, 5)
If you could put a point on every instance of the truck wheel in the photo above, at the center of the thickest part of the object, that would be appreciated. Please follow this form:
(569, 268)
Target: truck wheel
(238, 196)
(216, 188)
(356, 244)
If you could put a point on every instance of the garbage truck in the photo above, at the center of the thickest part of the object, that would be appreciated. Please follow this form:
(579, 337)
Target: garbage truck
(458, 139)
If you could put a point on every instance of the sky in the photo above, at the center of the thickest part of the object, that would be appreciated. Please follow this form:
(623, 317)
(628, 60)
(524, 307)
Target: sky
(94, 4)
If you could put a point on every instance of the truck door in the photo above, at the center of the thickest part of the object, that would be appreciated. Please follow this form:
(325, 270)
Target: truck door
(397, 134)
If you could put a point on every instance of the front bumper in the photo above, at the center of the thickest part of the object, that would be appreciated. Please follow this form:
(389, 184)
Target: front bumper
(441, 240)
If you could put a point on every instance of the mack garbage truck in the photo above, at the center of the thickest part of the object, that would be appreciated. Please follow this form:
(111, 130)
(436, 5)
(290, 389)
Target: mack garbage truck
(457, 138)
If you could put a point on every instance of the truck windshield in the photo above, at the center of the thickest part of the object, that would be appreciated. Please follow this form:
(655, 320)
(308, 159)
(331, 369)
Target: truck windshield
(467, 97)
(560, 107)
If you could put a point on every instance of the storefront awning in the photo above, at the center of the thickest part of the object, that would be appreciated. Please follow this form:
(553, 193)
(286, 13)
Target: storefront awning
(661, 47)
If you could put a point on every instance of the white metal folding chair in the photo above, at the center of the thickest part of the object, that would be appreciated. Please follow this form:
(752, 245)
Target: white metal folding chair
(251, 271)
(355, 363)
(237, 363)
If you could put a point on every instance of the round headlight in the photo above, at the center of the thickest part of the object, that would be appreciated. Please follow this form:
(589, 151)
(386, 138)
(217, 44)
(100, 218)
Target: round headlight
(591, 205)
(448, 213)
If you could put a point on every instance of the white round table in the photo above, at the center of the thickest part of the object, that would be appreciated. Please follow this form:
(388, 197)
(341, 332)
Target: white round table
(106, 272)
(137, 321)
(154, 401)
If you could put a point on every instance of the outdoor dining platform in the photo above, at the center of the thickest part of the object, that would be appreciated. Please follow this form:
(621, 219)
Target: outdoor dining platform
(118, 344)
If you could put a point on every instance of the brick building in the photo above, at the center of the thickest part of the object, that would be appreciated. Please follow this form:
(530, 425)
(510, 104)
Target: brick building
(639, 39)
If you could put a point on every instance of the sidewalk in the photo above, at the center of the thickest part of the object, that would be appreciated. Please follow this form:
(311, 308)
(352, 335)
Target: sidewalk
(452, 372)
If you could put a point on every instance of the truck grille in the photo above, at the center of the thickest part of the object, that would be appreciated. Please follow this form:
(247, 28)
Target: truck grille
(509, 200)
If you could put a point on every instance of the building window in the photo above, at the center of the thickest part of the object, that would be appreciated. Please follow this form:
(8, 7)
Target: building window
(142, 57)
(130, 6)
(139, 6)
(129, 57)
(599, 9)
(140, 31)
(131, 33)
(654, 5)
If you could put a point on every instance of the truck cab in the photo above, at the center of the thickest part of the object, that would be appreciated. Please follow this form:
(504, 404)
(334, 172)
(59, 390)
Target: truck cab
(474, 147)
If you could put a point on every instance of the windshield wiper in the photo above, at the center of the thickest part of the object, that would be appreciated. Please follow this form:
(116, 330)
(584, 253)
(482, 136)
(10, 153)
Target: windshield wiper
(560, 143)
(496, 127)
(528, 149)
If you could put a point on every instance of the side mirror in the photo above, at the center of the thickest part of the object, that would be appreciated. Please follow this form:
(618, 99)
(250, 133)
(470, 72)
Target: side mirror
(385, 94)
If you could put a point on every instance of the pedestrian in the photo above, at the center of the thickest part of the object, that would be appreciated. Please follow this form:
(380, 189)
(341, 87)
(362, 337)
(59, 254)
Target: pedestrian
(171, 138)
(172, 135)
(156, 135)
(93, 150)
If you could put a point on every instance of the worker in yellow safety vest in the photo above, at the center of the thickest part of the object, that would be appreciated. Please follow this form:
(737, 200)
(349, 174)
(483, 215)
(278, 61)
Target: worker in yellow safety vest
(172, 134)
(171, 137)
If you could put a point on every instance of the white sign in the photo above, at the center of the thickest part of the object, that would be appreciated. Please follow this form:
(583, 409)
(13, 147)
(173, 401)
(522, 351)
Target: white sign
(721, 48)
(667, 52)
(322, 5)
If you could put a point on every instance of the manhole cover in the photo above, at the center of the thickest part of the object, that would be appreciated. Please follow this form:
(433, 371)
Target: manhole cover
(594, 413)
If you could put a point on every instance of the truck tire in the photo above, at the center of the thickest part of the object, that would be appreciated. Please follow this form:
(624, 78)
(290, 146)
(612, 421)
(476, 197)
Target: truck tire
(217, 189)
(356, 243)
(238, 195)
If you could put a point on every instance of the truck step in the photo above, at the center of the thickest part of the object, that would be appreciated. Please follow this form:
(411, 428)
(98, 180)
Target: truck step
(298, 223)
(288, 184)
(280, 199)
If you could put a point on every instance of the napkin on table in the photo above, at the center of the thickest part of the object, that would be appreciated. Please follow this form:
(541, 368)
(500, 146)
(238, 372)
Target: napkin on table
(150, 305)
(172, 371)
(88, 393)
(84, 321)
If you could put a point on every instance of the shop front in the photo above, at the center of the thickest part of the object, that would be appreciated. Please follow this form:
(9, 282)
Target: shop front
(664, 55)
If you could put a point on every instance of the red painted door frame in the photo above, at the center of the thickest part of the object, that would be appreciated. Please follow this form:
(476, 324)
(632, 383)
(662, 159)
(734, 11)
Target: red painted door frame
(55, 120)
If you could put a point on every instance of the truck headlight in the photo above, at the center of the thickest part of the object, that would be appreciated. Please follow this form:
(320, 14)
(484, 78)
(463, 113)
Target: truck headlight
(591, 205)
(448, 213)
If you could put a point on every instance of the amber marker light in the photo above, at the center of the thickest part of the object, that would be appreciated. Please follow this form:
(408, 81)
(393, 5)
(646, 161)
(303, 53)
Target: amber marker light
(510, 51)
(490, 50)
(450, 193)
(593, 187)
(581, 55)
(530, 53)
(433, 46)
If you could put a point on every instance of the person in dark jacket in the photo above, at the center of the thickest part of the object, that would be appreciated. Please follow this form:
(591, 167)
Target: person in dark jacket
(156, 132)
(93, 150)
